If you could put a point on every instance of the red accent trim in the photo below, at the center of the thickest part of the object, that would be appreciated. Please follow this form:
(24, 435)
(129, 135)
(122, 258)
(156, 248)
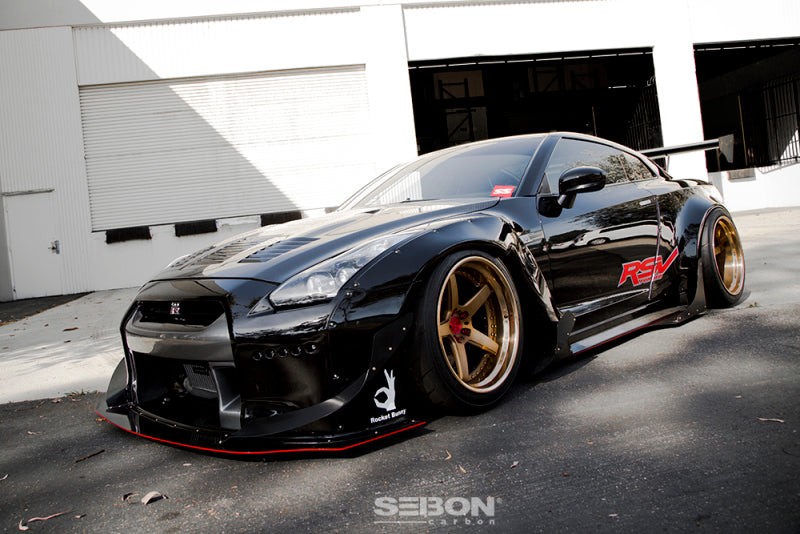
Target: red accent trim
(311, 449)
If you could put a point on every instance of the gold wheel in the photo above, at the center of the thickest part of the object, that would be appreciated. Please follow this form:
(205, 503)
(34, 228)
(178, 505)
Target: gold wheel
(478, 330)
(728, 256)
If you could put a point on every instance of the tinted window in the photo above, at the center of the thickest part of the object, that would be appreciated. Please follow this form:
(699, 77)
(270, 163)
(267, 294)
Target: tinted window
(469, 171)
(635, 169)
(571, 153)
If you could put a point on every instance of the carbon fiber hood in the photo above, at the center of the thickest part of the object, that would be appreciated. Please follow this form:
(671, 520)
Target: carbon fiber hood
(275, 253)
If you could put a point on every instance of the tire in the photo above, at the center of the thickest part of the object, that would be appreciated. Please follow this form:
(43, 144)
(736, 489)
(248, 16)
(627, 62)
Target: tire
(723, 260)
(468, 333)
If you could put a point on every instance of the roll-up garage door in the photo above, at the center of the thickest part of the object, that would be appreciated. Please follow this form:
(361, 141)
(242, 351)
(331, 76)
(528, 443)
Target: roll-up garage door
(181, 150)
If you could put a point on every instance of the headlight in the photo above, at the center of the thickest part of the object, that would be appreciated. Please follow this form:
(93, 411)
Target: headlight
(323, 281)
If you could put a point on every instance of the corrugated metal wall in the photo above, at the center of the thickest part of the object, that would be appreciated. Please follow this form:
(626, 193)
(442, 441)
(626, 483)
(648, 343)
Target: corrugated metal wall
(187, 143)
(181, 150)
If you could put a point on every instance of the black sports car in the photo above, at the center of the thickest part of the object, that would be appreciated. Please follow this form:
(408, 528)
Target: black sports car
(439, 280)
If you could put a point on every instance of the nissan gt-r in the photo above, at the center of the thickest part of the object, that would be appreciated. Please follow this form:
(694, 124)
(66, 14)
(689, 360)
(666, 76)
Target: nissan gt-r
(428, 290)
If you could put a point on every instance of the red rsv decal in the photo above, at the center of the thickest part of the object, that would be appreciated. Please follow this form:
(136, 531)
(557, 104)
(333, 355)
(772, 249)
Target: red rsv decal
(643, 271)
(503, 190)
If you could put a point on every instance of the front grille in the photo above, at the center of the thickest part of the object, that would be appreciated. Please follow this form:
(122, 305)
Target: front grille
(188, 312)
(199, 378)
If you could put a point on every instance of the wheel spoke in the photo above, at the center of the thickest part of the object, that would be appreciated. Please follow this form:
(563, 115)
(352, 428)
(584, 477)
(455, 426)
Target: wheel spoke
(452, 291)
(444, 329)
(479, 339)
(479, 299)
(462, 365)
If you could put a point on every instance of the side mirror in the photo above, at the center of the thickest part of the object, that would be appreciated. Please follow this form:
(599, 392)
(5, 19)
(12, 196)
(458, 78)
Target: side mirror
(579, 180)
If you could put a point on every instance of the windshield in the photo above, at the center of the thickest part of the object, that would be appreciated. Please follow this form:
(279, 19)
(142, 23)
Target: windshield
(482, 170)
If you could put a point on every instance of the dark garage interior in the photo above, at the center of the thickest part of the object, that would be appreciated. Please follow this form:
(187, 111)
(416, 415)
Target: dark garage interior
(751, 90)
(611, 94)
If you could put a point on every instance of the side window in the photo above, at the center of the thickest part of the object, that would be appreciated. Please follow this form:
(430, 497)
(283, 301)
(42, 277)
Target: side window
(635, 169)
(571, 153)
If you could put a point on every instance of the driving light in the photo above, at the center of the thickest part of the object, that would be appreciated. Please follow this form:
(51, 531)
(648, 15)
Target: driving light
(323, 281)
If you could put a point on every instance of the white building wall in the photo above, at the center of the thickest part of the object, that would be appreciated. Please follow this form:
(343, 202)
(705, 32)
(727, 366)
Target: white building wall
(181, 49)
(391, 112)
(6, 285)
(43, 64)
(40, 103)
(443, 30)
(42, 176)
(749, 189)
(676, 82)
(373, 36)
(720, 21)
(189, 48)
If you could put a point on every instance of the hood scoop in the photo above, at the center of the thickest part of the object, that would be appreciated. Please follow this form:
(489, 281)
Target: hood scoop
(276, 249)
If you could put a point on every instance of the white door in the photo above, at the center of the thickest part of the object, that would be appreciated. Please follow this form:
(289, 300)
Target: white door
(34, 245)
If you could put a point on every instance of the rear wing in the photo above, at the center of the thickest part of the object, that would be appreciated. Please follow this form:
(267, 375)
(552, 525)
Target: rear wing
(723, 145)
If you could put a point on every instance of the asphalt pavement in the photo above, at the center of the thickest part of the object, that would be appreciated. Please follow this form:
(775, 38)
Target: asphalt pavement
(692, 428)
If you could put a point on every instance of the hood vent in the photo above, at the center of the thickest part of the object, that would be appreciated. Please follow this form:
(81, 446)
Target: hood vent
(213, 256)
(276, 249)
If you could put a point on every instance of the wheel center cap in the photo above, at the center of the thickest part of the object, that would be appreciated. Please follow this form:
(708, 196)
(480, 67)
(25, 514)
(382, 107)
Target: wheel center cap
(455, 325)
(459, 326)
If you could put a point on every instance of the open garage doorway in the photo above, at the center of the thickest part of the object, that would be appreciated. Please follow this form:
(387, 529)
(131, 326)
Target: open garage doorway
(611, 94)
(751, 90)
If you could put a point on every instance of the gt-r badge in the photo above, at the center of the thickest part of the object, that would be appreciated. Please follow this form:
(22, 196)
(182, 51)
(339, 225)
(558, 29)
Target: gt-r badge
(389, 391)
(175, 308)
(643, 271)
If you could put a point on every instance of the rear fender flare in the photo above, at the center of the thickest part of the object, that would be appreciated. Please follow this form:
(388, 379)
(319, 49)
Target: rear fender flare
(698, 202)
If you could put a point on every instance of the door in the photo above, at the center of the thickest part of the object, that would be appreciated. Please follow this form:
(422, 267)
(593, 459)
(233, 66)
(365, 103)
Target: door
(34, 246)
(601, 247)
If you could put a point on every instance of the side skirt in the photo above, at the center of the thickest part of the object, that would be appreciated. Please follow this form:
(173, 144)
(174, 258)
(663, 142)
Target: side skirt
(673, 315)
(626, 328)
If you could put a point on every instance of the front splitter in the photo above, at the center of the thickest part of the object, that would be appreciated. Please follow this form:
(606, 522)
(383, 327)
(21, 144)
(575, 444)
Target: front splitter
(221, 442)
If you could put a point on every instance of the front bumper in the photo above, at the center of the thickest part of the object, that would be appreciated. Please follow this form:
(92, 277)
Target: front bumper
(217, 379)
(131, 418)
